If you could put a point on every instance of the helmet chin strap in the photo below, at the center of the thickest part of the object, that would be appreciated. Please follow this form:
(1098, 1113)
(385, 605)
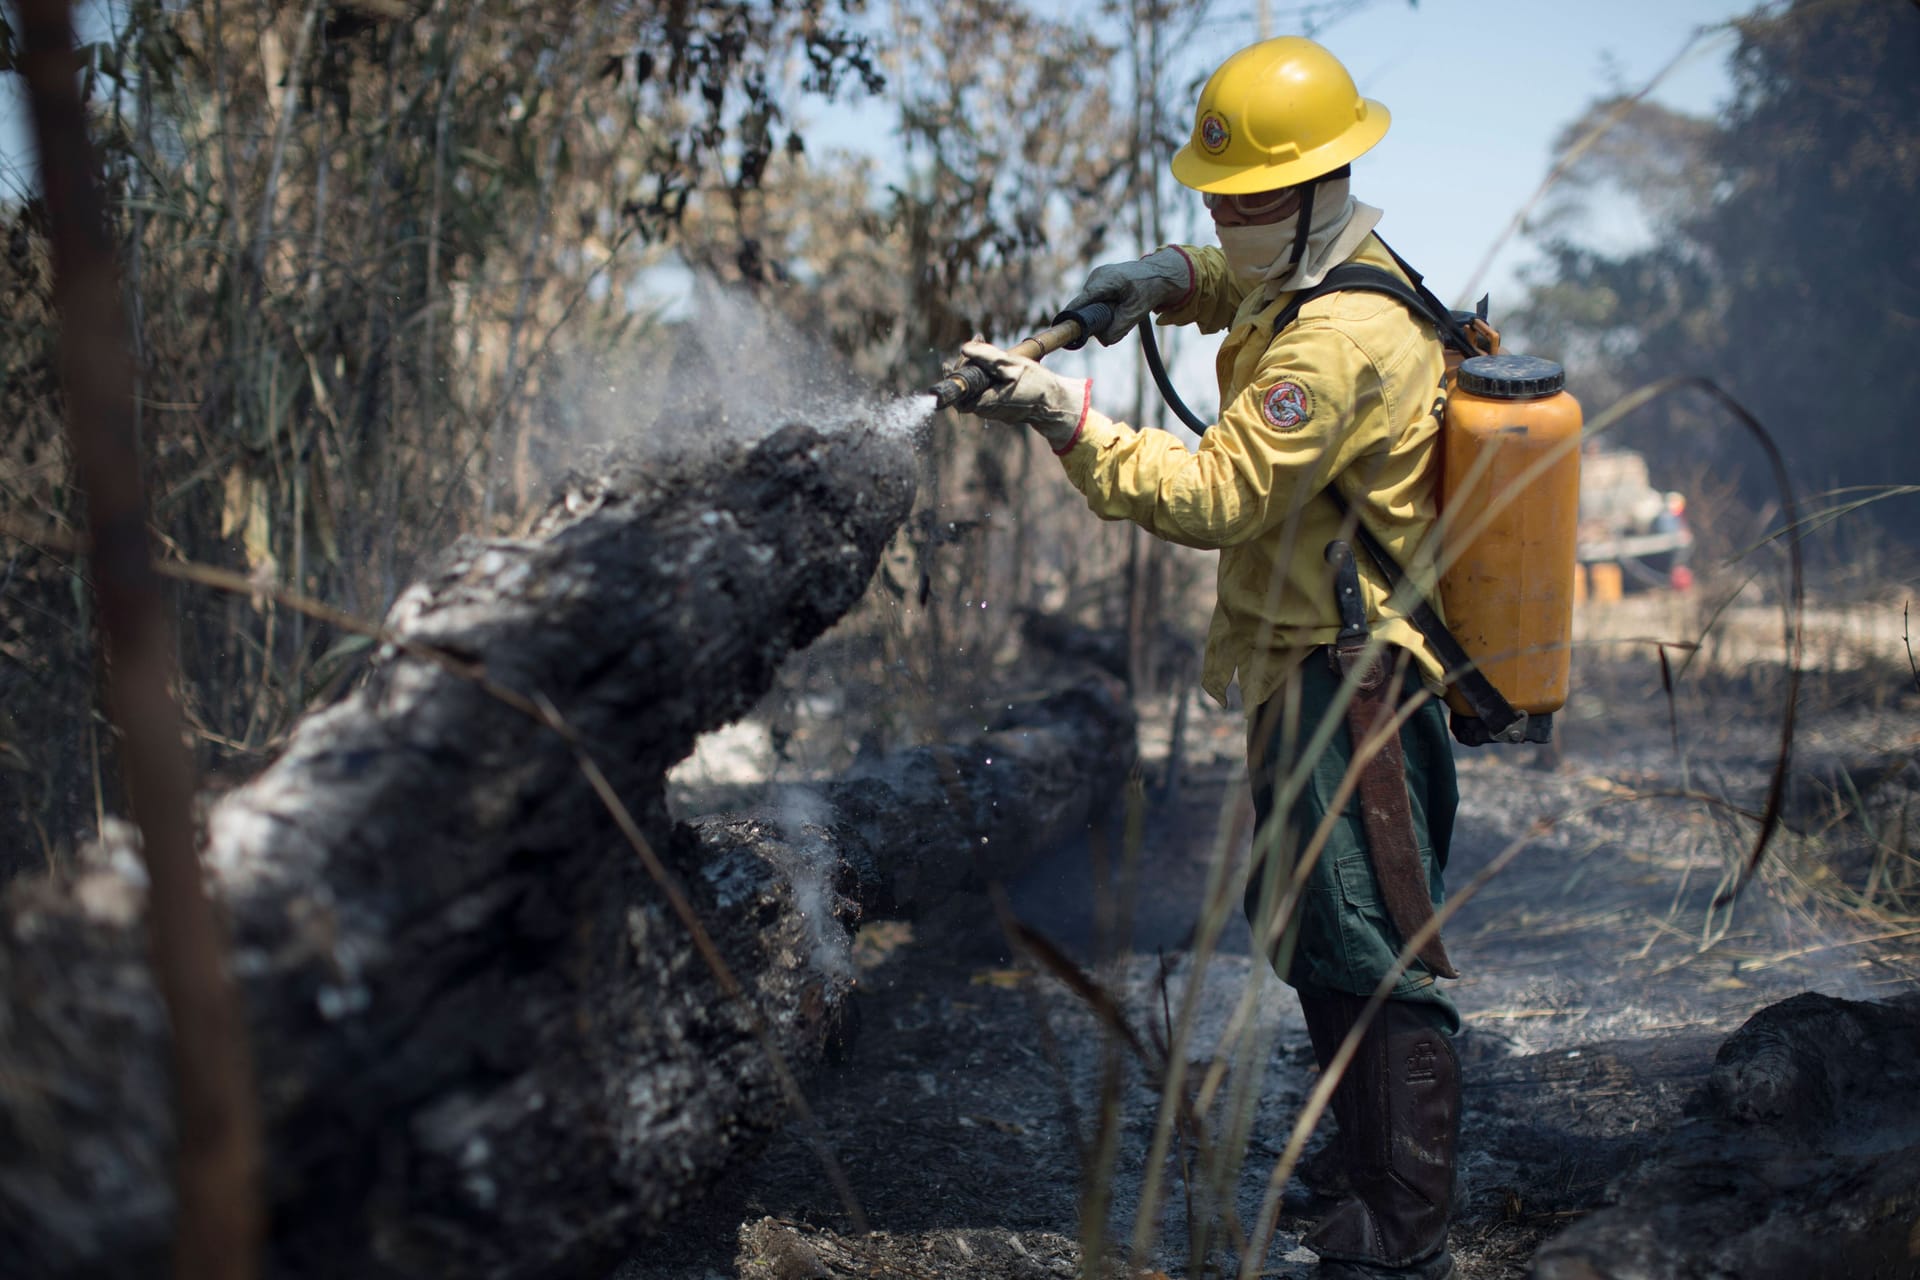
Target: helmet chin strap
(1304, 226)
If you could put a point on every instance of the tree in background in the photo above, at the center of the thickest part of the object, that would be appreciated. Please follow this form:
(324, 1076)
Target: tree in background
(389, 262)
(1016, 153)
(1784, 263)
(361, 244)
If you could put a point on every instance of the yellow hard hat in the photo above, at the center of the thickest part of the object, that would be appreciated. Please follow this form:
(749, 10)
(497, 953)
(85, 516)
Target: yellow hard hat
(1275, 114)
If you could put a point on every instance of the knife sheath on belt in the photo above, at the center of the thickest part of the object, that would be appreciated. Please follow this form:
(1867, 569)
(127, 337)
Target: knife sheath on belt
(1386, 812)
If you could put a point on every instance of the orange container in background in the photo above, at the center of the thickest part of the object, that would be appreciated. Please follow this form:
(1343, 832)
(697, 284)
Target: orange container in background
(1510, 504)
(1607, 582)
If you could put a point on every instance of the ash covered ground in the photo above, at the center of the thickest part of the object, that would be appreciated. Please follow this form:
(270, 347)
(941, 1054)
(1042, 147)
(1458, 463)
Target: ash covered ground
(1600, 980)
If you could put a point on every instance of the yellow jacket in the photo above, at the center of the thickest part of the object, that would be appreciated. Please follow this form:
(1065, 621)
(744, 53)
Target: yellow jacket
(1349, 392)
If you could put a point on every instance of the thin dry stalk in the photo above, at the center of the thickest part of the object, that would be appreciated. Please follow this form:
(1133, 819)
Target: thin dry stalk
(1571, 156)
(1906, 636)
(1768, 822)
(1273, 940)
(289, 111)
(1322, 1094)
(220, 1222)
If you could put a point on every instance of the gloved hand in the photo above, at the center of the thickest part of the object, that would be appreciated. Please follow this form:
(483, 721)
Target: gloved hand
(1023, 390)
(1133, 289)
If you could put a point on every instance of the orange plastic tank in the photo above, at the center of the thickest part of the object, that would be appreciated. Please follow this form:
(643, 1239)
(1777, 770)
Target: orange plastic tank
(1510, 503)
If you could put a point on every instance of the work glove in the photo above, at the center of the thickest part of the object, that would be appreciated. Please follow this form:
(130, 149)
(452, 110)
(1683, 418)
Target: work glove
(1024, 390)
(1133, 289)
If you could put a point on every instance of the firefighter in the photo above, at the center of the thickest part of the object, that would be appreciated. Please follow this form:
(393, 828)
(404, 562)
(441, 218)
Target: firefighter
(1346, 396)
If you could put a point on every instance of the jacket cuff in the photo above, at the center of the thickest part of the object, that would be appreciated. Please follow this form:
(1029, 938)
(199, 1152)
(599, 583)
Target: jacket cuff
(1086, 407)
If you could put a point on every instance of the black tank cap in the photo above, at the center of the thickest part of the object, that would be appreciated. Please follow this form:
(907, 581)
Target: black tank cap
(1510, 377)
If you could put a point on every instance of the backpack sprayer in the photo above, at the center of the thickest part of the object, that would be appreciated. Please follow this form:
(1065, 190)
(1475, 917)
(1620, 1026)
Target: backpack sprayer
(1509, 488)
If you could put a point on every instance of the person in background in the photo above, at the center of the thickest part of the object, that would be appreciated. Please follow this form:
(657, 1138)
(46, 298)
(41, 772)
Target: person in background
(1673, 520)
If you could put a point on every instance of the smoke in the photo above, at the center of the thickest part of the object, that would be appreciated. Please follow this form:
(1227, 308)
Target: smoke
(758, 371)
(722, 372)
(719, 369)
(804, 817)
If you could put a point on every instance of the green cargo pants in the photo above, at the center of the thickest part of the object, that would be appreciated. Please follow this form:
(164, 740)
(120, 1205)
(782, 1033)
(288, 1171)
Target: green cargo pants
(1340, 939)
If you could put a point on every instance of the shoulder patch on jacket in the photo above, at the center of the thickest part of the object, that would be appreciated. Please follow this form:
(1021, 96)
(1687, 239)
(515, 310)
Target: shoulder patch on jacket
(1287, 404)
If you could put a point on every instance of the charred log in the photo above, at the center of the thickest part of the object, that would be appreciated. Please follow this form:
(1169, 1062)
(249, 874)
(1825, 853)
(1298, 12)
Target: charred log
(485, 1046)
(1803, 1161)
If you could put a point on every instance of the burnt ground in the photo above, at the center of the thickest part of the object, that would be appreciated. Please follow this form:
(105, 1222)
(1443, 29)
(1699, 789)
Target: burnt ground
(1600, 979)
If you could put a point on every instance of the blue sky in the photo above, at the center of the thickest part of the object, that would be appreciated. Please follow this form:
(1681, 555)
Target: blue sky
(1478, 90)
(1521, 69)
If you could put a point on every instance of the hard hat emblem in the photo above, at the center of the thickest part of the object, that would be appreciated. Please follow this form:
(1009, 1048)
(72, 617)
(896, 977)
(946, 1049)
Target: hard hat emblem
(1287, 404)
(1214, 134)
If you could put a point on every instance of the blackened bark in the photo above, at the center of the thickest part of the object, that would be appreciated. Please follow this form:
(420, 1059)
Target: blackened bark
(485, 1046)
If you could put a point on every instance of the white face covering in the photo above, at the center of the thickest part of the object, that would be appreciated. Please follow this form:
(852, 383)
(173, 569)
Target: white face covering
(1259, 254)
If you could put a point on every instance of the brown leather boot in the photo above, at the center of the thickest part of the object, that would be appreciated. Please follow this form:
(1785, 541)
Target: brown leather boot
(1405, 1109)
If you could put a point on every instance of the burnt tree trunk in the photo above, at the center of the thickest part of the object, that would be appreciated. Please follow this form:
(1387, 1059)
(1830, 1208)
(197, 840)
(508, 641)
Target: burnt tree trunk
(485, 1045)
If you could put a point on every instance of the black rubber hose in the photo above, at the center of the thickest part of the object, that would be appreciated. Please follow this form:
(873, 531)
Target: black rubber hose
(1151, 350)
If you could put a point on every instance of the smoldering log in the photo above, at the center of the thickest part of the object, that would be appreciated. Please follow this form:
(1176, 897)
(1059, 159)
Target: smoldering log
(910, 830)
(1801, 1162)
(485, 1045)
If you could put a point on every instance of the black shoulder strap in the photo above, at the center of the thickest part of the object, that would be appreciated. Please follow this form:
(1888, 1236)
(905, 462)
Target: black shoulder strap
(1358, 276)
(1456, 335)
(1494, 718)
